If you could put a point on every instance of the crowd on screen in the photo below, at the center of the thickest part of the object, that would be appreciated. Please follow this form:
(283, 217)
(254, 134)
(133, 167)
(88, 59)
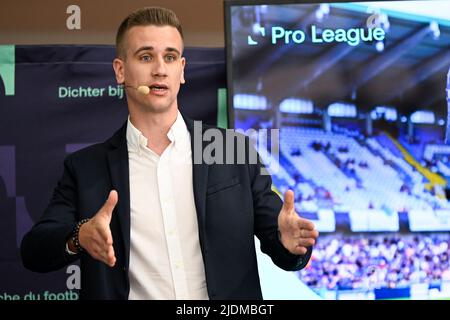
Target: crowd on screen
(342, 262)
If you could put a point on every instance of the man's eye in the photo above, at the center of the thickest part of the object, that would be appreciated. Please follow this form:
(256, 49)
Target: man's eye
(170, 57)
(146, 58)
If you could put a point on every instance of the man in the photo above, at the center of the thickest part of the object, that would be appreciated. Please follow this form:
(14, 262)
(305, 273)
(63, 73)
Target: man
(170, 228)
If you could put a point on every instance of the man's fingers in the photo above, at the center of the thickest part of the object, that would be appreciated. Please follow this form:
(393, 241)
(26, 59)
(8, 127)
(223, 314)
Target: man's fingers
(102, 235)
(106, 256)
(110, 253)
(305, 224)
(111, 257)
(289, 201)
(97, 236)
(109, 240)
(299, 250)
(106, 236)
(314, 234)
(303, 233)
(306, 242)
(96, 252)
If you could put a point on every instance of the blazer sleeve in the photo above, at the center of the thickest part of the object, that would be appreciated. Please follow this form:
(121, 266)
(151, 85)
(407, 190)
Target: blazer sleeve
(267, 205)
(43, 248)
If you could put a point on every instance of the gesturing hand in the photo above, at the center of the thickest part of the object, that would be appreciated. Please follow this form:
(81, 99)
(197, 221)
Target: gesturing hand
(296, 233)
(95, 235)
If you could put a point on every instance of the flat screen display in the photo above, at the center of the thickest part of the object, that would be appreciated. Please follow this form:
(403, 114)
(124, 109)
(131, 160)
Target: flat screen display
(347, 104)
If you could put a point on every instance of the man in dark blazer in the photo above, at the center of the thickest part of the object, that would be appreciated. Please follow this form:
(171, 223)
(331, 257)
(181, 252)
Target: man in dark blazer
(143, 242)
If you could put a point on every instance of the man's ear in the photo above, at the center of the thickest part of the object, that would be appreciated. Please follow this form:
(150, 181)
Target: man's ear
(183, 63)
(119, 70)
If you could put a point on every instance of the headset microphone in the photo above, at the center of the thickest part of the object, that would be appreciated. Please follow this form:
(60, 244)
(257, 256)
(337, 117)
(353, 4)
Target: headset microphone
(145, 90)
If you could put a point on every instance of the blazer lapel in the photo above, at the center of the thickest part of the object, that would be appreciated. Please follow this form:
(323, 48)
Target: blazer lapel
(119, 170)
(200, 176)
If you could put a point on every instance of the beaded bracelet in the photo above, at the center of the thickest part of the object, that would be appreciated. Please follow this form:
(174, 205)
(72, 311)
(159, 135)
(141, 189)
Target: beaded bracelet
(75, 240)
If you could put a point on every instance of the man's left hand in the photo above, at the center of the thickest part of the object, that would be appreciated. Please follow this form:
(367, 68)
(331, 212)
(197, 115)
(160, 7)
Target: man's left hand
(297, 234)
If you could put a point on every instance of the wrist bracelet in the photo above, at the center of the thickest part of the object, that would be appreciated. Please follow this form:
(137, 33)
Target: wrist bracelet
(75, 239)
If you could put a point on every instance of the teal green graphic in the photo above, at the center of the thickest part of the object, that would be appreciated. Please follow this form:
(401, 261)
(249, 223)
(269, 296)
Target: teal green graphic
(7, 68)
(222, 116)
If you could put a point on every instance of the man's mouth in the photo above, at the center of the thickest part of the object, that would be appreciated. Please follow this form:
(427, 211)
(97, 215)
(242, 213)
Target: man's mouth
(158, 87)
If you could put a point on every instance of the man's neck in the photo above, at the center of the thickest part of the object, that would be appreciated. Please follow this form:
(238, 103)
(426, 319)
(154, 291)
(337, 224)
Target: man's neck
(155, 126)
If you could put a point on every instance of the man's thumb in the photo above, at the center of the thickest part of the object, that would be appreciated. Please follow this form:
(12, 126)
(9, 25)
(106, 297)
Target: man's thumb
(111, 202)
(288, 204)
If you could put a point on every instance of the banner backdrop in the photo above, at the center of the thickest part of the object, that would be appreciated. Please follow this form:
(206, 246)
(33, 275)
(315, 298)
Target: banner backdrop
(55, 100)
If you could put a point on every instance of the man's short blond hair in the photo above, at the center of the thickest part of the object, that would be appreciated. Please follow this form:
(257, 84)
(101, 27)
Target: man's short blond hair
(156, 16)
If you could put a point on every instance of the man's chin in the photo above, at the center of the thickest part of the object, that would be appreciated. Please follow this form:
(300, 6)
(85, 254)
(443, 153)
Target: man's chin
(157, 108)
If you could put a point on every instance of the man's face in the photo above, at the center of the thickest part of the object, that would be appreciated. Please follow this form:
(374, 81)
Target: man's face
(153, 59)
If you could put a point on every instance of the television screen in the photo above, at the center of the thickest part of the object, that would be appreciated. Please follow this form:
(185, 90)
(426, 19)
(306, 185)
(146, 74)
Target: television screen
(347, 103)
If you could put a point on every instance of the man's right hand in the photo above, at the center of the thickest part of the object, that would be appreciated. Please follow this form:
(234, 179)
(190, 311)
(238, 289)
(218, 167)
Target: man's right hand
(95, 235)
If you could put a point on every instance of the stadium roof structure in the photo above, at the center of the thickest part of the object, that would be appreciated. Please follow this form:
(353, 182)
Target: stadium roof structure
(408, 70)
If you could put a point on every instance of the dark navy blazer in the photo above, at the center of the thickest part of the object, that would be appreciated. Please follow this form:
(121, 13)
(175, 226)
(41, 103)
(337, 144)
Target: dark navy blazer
(234, 202)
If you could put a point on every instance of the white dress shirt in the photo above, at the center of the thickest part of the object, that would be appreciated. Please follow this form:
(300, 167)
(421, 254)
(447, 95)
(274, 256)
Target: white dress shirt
(165, 257)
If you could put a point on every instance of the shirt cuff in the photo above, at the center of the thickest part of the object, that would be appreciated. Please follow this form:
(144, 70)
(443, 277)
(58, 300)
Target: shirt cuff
(68, 250)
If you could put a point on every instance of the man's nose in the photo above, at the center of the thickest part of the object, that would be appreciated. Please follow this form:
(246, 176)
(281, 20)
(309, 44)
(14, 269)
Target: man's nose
(159, 68)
